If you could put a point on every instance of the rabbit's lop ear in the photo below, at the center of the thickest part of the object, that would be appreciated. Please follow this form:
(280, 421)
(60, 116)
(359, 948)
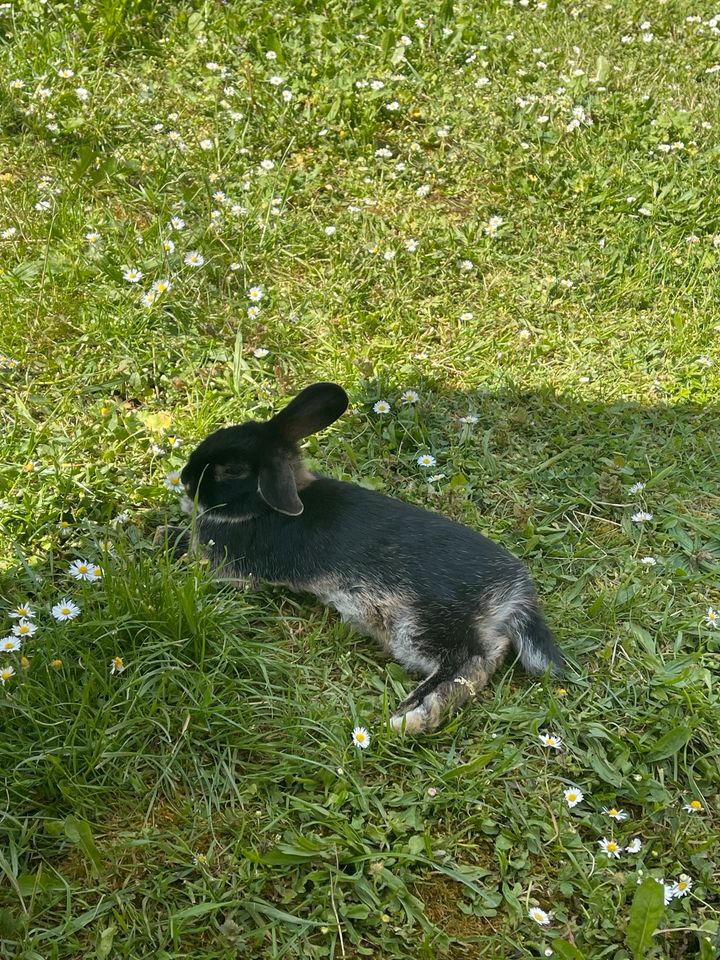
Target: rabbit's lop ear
(313, 409)
(276, 485)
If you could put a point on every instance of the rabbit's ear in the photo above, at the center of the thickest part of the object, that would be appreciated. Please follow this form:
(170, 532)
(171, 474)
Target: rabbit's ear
(313, 409)
(276, 485)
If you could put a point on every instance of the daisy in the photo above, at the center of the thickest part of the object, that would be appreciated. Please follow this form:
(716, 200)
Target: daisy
(648, 561)
(194, 259)
(616, 814)
(65, 610)
(276, 81)
(255, 294)
(694, 807)
(668, 889)
(95, 574)
(539, 916)
(426, 460)
(117, 665)
(10, 644)
(253, 312)
(168, 246)
(635, 846)
(470, 418)
(132, 275)
(206, 145)
(93, 238)
(173, 482)
(80, 570)
(610, 847)
(56, 663)
(82, 93)
(466, 265)
(411, 245)
(361, 738)
(162, 286)
(713, 617)
(410, 396)
(267, 165)
(25, 628)
(177, 223)
(174, 442)
(550, 740)
(636, 488)
(641, 516)
(260, 352)
(382, 406)
(199, 859)
(573, 796)
(683, 886)
(6, 673)
(149, 298)
(23, 611)
(466, 317)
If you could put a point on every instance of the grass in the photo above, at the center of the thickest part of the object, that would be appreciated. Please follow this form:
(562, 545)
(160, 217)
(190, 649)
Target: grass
(207, 801)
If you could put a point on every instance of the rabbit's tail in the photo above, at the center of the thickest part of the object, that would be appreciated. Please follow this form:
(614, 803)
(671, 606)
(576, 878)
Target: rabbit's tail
(532, 640)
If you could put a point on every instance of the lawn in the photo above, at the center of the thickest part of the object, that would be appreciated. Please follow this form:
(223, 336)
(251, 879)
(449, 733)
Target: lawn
(497, 225)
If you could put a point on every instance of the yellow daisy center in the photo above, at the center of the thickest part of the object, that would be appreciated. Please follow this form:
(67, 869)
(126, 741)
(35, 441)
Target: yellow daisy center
(572, 796)
(696, 805)
(612, 846)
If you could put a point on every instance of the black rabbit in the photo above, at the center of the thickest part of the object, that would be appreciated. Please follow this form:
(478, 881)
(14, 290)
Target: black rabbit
(441, 599)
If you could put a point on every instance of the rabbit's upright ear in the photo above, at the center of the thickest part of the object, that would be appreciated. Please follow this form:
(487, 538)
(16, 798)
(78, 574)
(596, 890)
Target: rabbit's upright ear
(276, 485)
(313, 409)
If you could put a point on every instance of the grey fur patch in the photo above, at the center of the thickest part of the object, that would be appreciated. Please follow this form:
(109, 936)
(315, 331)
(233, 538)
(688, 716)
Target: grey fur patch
(388, 617)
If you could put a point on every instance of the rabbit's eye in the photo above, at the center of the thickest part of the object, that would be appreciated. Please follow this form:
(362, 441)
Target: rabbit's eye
(232, 471)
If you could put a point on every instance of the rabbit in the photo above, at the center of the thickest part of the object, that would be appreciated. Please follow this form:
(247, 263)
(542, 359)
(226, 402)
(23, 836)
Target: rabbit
(444, 601)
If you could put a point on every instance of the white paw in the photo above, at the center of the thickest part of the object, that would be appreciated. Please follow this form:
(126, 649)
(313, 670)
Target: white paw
(412, 722)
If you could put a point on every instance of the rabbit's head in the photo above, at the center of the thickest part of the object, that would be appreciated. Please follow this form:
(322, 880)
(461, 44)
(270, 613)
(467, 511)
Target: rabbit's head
(240, 471)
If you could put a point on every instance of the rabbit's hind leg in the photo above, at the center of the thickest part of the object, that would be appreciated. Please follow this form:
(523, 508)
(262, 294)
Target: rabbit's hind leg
(453, 683)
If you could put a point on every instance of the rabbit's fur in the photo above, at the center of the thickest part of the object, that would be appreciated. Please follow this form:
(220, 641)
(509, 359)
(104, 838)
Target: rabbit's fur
(440, 598)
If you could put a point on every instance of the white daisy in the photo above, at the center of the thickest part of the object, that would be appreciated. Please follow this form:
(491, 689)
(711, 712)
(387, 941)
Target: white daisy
(682, 886)
(132, 275)
(550, 740)
(255, 294)
(177, 223)
(24, 628)
(382, 406)
(616, 814)
(260, 352)
(712, 618)
(253, 311)
(10, 644)
(361, 738)
(573, 796)
(194, 259)
(95, 574)
(409, 396)
(539, 916)
(173, 482)
(162, 286)
(65, 610)
(641, 516)
(81, 570)
(426, 460)
(168, 246)
(610, 847)
(117, 665)
(23, 611)
(635, 846)
(93, 238)
(636, 488)
(648, 561)
(6, 673)
(694, 807)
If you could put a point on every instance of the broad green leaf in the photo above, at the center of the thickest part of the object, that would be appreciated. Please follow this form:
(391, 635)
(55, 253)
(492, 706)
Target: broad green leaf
(566, 951)
(669, 744)
(79, 832)
(645, 912)
(105, 943)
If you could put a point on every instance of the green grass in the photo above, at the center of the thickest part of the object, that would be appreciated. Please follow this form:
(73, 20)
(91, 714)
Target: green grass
(227, 736)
